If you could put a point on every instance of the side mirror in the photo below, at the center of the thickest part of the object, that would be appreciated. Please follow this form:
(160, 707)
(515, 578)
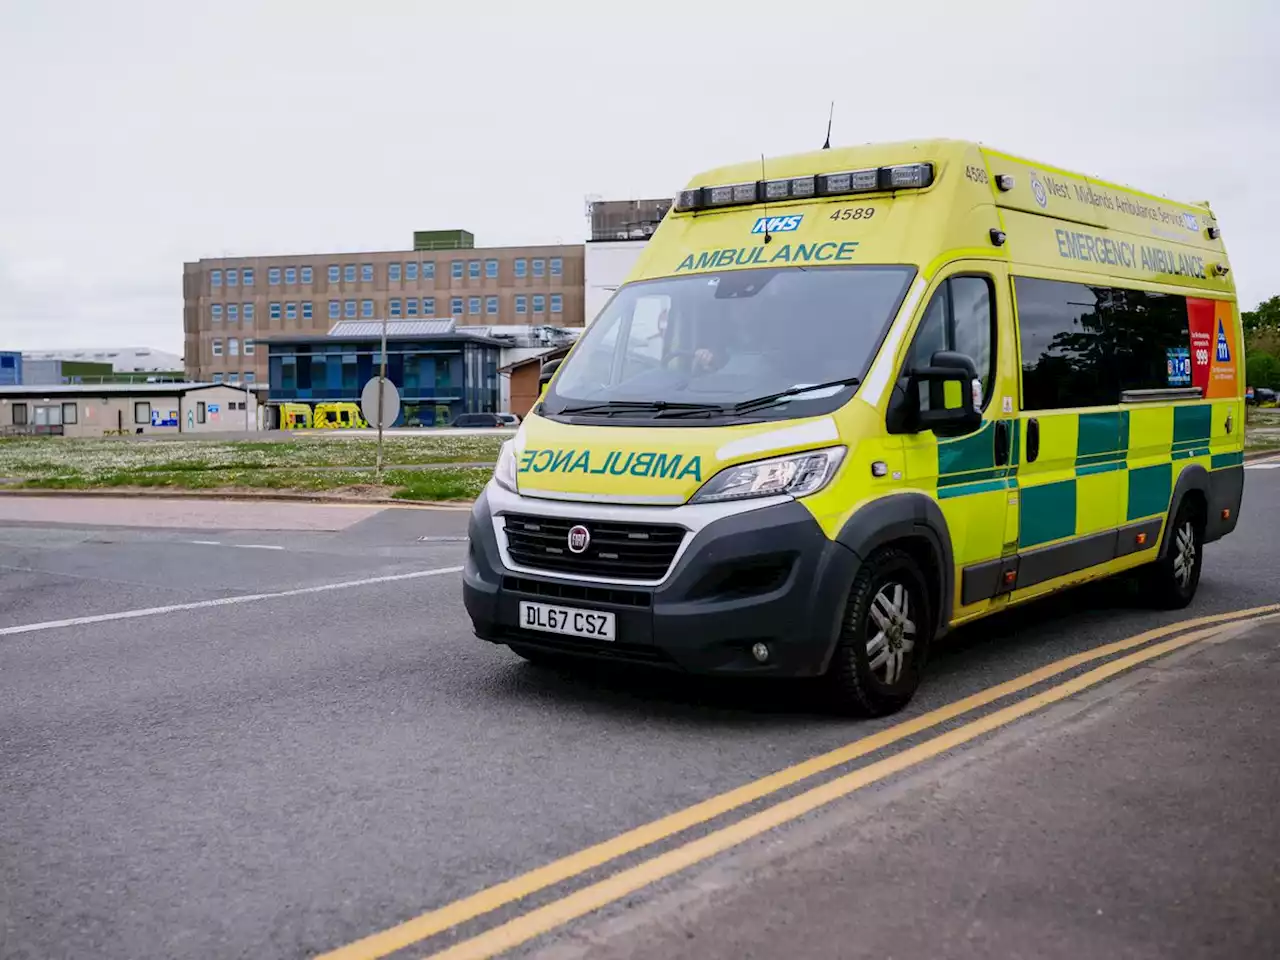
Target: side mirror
(955, 393)
(548, 370)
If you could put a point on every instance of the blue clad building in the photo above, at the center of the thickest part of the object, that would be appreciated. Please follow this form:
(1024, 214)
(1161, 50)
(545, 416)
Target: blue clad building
(10, 369)
(439, 371)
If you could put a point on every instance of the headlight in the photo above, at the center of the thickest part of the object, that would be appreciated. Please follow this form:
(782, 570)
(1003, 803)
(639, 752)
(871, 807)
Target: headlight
(795, 475)
(504, 474)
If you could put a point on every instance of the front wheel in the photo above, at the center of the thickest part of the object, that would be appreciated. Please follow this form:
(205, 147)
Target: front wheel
(884, 637)
(1172, 580)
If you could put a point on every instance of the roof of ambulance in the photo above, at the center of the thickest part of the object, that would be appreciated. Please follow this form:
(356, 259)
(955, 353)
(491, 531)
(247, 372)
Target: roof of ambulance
(937, 150)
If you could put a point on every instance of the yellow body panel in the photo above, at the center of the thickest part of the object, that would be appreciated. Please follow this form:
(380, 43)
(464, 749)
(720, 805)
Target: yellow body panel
(338, 415)
(1058, 226)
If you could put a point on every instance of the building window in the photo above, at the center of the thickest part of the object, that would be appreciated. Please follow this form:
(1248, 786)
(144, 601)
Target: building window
(19, 414)
(202, 414)
(539, 303)
(455, 268)
(273, 276)
(428, 306)
(216, 312)
(455, 307)
(291, 311)
(233, 378)
(217, 378)
(306, 310)
(273, 311)
(349, 309)
(248, 348)
(142, 412)
(335, 309)
(366, 308)
(473, 305)
(246, 276)
(366, 272)
(69, 413)
(393, 271)
(233, 313)
(248, 313)
(291, 275)
(491, 306)
(249, 377)
(349, 273)
(411, 307)
(557, 266)
(394, 306)
(217, 348)
(428, 269)
(557, 303)
(522, 304)
(522, 267)
(304, 274)
(233, 347)
(233, 277)
(491, 269)
(335, 273)
(539, 268)
(473, 270)
(215, 278)
(411, 270)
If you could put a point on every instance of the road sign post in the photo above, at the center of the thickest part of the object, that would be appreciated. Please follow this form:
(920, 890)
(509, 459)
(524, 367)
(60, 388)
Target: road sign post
(380, 403)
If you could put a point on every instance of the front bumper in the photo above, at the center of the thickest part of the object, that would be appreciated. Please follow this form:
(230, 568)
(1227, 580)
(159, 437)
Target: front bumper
(761, 574)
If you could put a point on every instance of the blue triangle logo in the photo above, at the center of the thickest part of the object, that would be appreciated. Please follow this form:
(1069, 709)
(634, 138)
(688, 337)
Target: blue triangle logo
(1224, 351)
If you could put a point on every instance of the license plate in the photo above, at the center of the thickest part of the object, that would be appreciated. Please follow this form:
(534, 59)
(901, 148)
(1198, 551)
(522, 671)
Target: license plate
(567, 620)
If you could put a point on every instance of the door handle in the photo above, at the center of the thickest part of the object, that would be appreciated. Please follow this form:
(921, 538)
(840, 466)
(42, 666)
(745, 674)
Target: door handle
(1033, 439)
(1002, 442)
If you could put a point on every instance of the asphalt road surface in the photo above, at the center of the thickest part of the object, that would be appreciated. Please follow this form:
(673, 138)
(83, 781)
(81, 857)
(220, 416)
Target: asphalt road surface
(247, 730)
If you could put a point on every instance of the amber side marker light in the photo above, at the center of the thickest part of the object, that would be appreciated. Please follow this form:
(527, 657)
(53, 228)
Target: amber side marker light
(1141, 538)
(1226, 513)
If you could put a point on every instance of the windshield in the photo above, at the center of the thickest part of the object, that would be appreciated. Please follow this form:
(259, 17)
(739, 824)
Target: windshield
(707, 343)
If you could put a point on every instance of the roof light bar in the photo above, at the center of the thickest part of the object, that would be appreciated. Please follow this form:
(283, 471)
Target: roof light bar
(906, 176)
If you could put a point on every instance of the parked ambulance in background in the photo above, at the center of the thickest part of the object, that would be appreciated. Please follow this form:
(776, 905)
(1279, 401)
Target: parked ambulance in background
(866, 396)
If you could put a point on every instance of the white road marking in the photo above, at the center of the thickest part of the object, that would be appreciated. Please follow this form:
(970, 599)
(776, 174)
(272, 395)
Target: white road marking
(1262, 466)
(222, 601)
(258, 546)
(207, 543)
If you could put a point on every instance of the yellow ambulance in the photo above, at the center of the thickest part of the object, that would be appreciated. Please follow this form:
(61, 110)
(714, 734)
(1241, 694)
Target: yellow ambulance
(850, 399)
(339, 415)
(295, 416)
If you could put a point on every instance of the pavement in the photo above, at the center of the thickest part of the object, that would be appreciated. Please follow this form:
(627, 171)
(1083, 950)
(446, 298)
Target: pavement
(233, 730)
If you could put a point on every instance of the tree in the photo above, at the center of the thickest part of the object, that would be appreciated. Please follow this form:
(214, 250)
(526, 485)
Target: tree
(1262, 318)
(1262, 370)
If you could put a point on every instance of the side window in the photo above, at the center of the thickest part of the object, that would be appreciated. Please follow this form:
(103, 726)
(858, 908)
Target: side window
(960, 318)
(1067, 358)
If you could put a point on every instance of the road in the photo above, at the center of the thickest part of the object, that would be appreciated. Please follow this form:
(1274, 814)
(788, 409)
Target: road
(264, 730)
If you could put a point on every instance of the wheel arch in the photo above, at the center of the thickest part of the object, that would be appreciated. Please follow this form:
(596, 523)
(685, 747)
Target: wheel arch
(1193, 482)
(913, 522)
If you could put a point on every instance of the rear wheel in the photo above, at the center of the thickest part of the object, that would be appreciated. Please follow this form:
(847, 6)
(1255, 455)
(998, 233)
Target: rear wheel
(884, 637)
(1171, 581)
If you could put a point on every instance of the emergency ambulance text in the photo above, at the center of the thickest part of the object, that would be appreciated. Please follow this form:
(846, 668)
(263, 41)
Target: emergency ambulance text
(1120, 253)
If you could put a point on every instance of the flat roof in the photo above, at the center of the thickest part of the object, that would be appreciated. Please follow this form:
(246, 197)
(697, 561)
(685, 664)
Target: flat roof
(114, 389)
(325, 339)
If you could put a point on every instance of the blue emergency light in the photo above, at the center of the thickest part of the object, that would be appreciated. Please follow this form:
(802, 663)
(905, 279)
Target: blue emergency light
(904, 176)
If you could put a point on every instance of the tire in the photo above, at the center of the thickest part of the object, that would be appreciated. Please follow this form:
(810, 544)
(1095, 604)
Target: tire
(1170, 583)
(884, 637)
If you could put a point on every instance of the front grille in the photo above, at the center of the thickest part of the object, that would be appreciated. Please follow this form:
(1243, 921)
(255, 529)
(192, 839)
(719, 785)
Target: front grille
(622, 551)
(577, 592)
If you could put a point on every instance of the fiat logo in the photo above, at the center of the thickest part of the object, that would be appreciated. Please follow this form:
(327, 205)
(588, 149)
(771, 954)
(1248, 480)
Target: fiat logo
(579, 539)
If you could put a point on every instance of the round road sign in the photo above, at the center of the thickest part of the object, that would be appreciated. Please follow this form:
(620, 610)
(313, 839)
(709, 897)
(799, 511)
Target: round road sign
(390, 403)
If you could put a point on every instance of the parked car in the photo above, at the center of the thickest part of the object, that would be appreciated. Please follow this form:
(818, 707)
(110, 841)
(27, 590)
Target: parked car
(481, 421)
(1261, 396)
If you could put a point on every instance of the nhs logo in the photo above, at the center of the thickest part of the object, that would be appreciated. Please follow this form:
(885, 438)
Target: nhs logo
(778, 224)
(1224, 351)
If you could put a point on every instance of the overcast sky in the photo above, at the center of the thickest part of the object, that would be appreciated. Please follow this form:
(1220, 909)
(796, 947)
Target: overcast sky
(138, 135)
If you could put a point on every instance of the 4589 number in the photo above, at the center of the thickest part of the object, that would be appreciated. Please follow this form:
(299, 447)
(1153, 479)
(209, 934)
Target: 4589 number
(976, 174)
(854, 213)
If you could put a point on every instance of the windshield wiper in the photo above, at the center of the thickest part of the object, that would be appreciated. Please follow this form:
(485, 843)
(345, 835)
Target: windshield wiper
(769, 399)
(660, 407)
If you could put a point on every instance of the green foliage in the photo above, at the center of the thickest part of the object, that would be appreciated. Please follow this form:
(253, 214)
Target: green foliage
(1262, 370)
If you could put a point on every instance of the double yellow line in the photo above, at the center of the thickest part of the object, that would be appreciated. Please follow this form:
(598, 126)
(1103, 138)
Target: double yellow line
(594, 896)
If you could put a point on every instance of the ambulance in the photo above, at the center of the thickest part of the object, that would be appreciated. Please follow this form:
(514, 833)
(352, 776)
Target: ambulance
(849, 400)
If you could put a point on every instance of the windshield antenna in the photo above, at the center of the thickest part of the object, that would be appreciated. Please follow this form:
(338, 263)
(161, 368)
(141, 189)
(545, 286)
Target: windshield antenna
(768, 237)
(830, 116)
